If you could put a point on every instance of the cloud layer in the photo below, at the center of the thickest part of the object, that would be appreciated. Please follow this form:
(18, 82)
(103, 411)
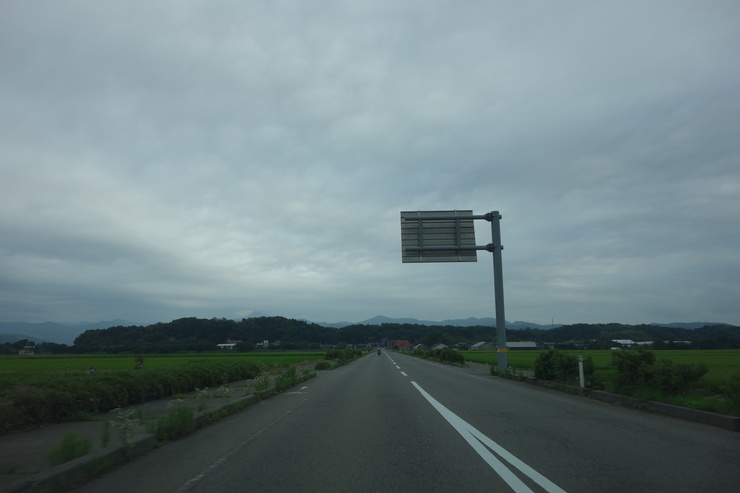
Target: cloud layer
(199, 159)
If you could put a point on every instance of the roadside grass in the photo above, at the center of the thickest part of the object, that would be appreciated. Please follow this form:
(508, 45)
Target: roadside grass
(40, 390)
(722, 363)
(713, 392)
(71, 448)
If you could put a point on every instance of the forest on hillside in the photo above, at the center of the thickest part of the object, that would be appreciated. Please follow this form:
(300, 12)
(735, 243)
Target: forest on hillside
(197, 335)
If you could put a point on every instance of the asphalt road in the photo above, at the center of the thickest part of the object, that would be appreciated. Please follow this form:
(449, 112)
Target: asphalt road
(397, 423)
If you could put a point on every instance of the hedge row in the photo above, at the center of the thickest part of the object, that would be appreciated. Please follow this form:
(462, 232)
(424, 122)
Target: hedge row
(629, 370)
(343, 355)
(563, 367)
(63, 397)
(445, 355)
(639, 368)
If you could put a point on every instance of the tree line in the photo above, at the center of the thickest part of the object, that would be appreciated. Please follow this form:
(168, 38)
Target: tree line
(197, 335)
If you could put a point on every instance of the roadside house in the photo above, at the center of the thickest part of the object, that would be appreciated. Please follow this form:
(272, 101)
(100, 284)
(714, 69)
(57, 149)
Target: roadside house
(402, 345)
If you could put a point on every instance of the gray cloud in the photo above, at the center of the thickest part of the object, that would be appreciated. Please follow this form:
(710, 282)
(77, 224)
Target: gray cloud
(180, 159)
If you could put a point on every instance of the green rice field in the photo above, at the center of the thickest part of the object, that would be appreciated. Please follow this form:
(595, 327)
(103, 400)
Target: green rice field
(716, 391)
(16, 366)
(722, 363)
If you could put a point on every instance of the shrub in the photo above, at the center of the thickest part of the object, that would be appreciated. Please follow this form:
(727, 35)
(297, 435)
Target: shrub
(61, 397)
(732, 392)
(448, 355)
(179, 421)
(125, 424)
(633, 367)
(445, 355)
(563, 367)
(675, 378)
(70, 449)
(639, 369)
(105, 438)
(261, 382)
(286, 380)
(343, 355)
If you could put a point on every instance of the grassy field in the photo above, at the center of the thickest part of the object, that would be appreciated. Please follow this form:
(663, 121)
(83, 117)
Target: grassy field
(722, 364)
(40, 389)
(716, 391)
(14, 367)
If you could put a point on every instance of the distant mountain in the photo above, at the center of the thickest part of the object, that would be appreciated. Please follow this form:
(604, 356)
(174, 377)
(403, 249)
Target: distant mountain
(194, 334)
(59, 333)
(11, 338)
(530, 325)
(335, 325)
(62, 333)
(256, 315)
(460, 322)
(380, 320)
(490, 322)
(688, 325)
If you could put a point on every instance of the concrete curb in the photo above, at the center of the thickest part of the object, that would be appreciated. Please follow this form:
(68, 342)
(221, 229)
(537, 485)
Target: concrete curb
(714, 419)
(84, 467)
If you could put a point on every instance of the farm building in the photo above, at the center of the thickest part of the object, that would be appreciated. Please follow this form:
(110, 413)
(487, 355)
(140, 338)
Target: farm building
(521, 346)
(514, 346)
(624, 342)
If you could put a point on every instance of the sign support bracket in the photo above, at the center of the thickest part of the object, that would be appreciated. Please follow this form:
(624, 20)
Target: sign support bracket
(494, 247)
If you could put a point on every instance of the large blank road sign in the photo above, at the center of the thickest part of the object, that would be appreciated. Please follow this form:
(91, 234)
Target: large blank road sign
(429, 236)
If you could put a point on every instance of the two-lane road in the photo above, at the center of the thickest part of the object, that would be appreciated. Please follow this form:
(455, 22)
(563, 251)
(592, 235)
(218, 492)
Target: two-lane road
(397, 423)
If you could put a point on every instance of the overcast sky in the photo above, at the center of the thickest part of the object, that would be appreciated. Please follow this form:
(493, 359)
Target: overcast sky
(165, 159)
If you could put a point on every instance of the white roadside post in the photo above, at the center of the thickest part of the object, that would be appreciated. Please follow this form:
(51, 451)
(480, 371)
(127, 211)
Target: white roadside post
(580, 370)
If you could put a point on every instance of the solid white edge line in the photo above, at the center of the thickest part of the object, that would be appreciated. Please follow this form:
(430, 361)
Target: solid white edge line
(509, 477)
(476, 439)
(511, 459)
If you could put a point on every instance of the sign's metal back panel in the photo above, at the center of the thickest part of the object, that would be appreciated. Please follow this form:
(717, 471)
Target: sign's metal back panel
(436, 234)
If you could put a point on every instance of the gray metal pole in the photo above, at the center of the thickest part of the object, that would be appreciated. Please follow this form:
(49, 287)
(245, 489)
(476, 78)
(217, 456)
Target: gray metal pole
(498, 288)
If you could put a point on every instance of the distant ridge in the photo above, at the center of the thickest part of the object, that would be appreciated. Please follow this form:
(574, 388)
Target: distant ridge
(689, 325)
(490, 322)
(62, 333)
(257, 315)
(11, 338)
(458, 322)
(57, 332)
